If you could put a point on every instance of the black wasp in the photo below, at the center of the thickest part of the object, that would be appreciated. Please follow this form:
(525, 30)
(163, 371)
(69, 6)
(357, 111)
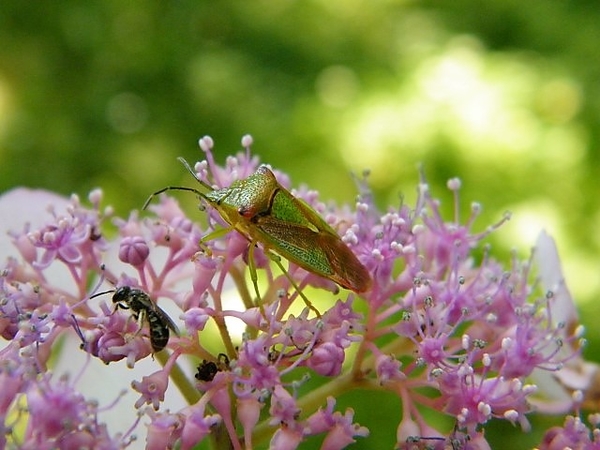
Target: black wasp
(144, 309)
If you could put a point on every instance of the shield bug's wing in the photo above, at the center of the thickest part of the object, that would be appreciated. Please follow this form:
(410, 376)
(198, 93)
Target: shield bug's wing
(319, 252)
(287, 208)
(296, 231)
(293, 242)
(348, 271)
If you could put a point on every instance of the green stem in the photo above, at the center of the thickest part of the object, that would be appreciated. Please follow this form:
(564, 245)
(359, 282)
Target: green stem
(225, 336)
(219, 438)
(242, 287)
(239, 280)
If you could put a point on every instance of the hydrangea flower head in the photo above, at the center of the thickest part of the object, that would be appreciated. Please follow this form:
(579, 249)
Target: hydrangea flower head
(437, 328)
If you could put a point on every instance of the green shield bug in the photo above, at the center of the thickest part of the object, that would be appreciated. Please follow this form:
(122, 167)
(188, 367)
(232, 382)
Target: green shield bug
(266, 213)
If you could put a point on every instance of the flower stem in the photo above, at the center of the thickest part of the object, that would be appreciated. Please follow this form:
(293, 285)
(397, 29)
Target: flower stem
(187, 389)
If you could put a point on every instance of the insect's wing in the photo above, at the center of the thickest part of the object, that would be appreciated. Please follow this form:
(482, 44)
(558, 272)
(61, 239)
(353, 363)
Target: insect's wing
(292, 210)
(166, 319)
(320, 252)
(317, 241)
(293, 242)
(348, 271)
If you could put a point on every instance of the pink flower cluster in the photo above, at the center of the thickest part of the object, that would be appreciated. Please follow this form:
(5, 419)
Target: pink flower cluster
(444, 327)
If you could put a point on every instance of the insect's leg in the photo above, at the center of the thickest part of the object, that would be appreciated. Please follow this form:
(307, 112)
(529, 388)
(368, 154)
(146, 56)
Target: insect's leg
(139, 318)
(254, 276)
(275, 258)
(79, 333)
(216, 234)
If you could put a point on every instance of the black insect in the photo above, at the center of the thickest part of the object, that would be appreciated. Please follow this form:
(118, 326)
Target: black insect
(208, 369)
(143, 309)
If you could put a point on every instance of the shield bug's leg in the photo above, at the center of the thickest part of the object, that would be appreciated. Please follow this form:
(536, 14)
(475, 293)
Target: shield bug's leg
(216, 234)
(254, 276)
(277, 260)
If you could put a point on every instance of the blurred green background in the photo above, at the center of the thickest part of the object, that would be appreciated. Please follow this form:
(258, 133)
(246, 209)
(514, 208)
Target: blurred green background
(504, 94)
